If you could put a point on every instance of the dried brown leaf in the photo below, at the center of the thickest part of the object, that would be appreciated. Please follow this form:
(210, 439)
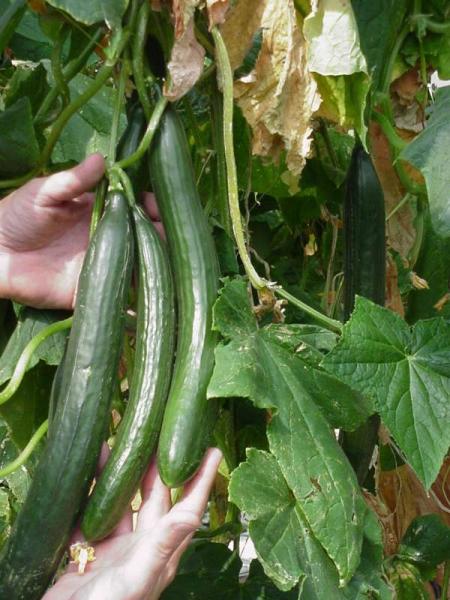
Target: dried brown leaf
(186, 64)
(183, 12)
(279, 96)
(217, 9)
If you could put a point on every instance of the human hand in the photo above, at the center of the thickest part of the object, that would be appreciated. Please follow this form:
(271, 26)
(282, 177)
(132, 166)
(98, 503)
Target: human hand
(44, 232)
(140, 564)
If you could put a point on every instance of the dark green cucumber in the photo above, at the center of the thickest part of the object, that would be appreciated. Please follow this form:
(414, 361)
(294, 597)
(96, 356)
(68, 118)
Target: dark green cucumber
(66, 468)
(139, 429)
(364, 233)
(364, 275)
(188, 417)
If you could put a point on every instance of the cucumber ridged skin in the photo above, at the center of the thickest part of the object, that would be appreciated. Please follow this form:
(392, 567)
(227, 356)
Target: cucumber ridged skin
(138, 431)
(188, 418)
(66, 468)
(365, 275)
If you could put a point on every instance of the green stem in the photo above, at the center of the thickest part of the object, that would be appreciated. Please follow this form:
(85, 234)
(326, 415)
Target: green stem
(26, 355)
(327, 322)
(148, 135)
(7, 184)
(406, 198)
(233, 195)
(127, 185)
(97, 210)
(103, 75)
(118, 104)
(416, 189)
(70, 70)
(137, 57)
(436, 26)
(26, 452)
(57, 70)
(221, 197)
(389, 131)
(387, 76)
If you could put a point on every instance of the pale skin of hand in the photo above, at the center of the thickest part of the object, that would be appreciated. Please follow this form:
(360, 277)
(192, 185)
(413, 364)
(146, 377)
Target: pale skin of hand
(140, 564)
(44, 231)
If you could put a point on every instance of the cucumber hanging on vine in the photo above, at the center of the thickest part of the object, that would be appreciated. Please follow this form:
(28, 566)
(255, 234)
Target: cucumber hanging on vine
(364, 275)
(188, 417)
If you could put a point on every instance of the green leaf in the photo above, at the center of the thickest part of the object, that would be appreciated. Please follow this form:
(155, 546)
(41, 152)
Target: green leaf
(333, 39)
(443, 61)
(344, 100)
(255, 366)
(31, 322)
(426, 542)
(286, 547)
(28, 408)
(29, 81)
(232, 314)
(19, 150)
(407, 372)
(428, 153)
(89, 129)
(379, 23)
(5, 516)
(110, 11)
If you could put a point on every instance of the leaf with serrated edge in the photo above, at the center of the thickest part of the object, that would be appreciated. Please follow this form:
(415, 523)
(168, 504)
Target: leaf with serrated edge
(407, 372)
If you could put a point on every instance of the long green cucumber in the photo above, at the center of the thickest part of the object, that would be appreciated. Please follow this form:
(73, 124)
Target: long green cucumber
(138, 431)
(67, 465)
(188, 417)
(364, 275)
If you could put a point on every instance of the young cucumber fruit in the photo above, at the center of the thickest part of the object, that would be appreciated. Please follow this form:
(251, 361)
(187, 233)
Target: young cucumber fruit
(67, 465)
(364, 275)
(139, 429)
(188, 418)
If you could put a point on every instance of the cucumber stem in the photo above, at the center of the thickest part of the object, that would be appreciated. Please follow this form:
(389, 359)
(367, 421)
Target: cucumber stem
(26, 355)
(119, 99)
(126, 184)
(233, 194)
(406, 198)
(24, 455)
(148, 136)
(327, 322)
(389, 131)
(137, 57)
(57, 70)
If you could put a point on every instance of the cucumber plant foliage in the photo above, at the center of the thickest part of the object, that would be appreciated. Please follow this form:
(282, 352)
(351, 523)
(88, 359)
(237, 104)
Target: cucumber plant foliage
(291, 363)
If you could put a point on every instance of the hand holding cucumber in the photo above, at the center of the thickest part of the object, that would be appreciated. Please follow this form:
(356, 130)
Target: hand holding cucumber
(142, 563)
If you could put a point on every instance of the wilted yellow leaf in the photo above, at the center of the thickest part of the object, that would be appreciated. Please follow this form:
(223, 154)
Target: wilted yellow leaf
(279, 96)
(217, 10)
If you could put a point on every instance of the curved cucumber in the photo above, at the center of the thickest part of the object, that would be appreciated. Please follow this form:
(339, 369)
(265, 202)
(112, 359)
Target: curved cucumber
(66, 468)
(188, 417)
(139, 429)
(365, 275)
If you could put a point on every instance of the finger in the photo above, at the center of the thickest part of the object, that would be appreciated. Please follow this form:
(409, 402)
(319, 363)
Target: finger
(155, 500)
(151, 208)
(196, 492)
(71, 183)
(160, 229)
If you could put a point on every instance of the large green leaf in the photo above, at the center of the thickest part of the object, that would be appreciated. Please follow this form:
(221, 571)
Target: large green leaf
(426, 542)
(379, 22)
(286, 546)
(256, 366)
(428, 152)
(407, 372)
(30, 81)
(19, 150)
(110, 11)
(31, 322)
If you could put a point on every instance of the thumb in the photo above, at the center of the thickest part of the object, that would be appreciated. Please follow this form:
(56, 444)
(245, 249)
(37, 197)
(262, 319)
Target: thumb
(67, 185)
